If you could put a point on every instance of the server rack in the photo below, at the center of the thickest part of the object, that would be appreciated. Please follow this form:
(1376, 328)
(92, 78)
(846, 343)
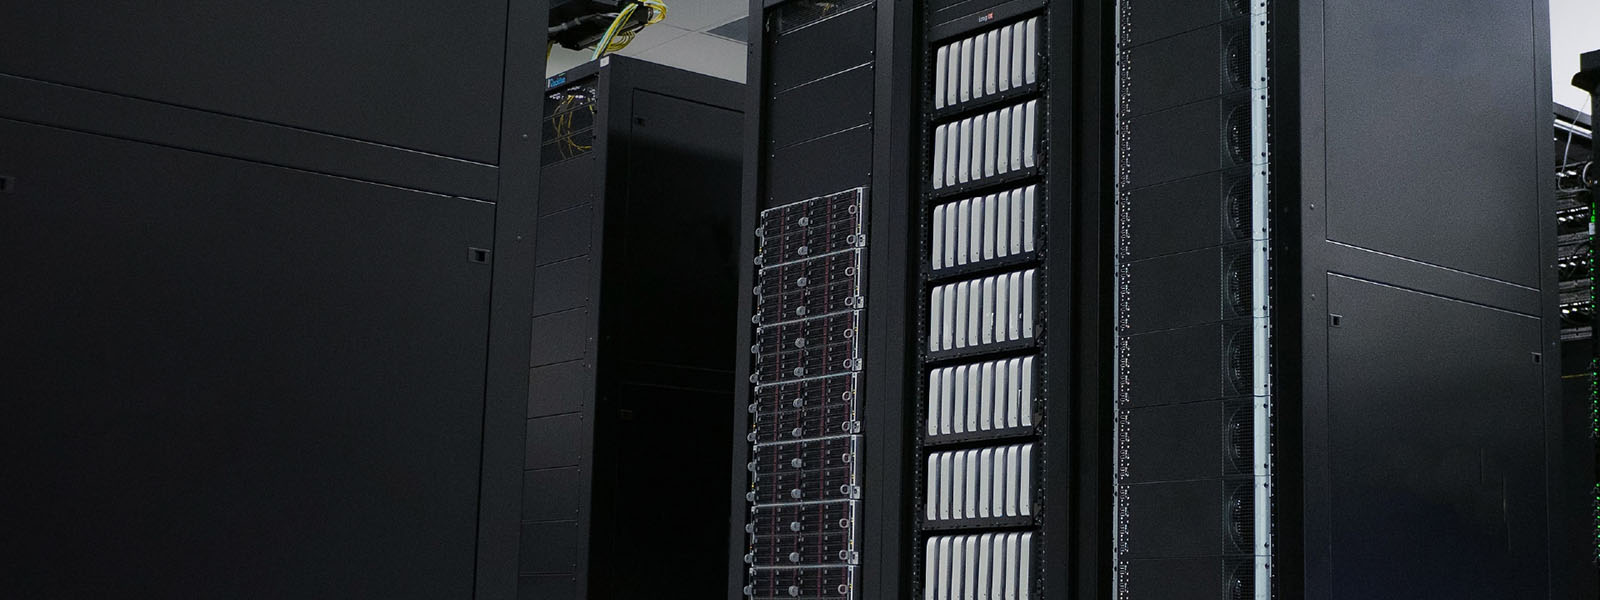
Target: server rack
(630, 375)
(279, 338)
(815, 505)
(1009, 331)
(1320, 327)
(872, 125)
(1575, 271)
(1228, 295)
(1574, 208)
(1576, 184)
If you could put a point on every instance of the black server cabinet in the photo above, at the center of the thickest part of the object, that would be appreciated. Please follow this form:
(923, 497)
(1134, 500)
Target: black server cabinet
(1335, 347)
(815, 501)
(630, 374)
(903, 167)
(1275, 347)
(1577, 182)
(1009, 326)
(1575, 267)
(265, 321)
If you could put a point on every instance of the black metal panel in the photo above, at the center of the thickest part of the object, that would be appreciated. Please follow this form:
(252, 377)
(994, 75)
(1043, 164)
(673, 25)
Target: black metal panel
(1189, 441)
(551, 494)
(1441, 493)
(565, 234)
(1176, 519)
(231, 136)
(655, 522)
(1190, 67)
(680, 150)
(209, 350)
(413, 74)
(569, 184)
(1181, 290)
(1187, 214)
(560, 337)
(1179, 579)
(563, 285)
(388, 102)
(560, 388)
(1176, 143)
(822, 107)
(1149, 22)
(1188, 364)
(1453, 305)
(640, 369)
(550, 547)
(828, 47)
(1382, 79)
(545, 587)
(821, 166)
(516, 224)
(555, 441)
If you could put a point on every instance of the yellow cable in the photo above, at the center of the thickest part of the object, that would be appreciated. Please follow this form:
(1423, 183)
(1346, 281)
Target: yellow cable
(604, 44)
(658, 12)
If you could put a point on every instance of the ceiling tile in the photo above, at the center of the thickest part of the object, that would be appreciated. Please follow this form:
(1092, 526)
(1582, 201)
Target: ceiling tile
(700, 15)
(737, 30)
(654, 35)
(702, 53)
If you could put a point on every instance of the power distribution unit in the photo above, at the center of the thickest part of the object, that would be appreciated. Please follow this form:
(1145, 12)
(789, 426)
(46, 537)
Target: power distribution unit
(1152, 299)
(264, 325)
(632, 362)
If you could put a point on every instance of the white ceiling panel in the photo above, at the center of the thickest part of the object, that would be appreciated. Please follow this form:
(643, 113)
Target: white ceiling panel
(700, 15)
(703, 53)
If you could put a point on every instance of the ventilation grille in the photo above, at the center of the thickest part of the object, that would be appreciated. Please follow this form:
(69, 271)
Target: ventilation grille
(1237, 134)
(1236, 283)
(1240, 362)
(1241, 583)
(1241, 522)
(1238, 441)
(1236, 60)
(1237, 208)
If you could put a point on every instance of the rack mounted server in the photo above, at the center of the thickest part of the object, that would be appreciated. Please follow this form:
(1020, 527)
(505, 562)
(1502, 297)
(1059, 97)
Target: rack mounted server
(1163, 299)
(630, 372)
